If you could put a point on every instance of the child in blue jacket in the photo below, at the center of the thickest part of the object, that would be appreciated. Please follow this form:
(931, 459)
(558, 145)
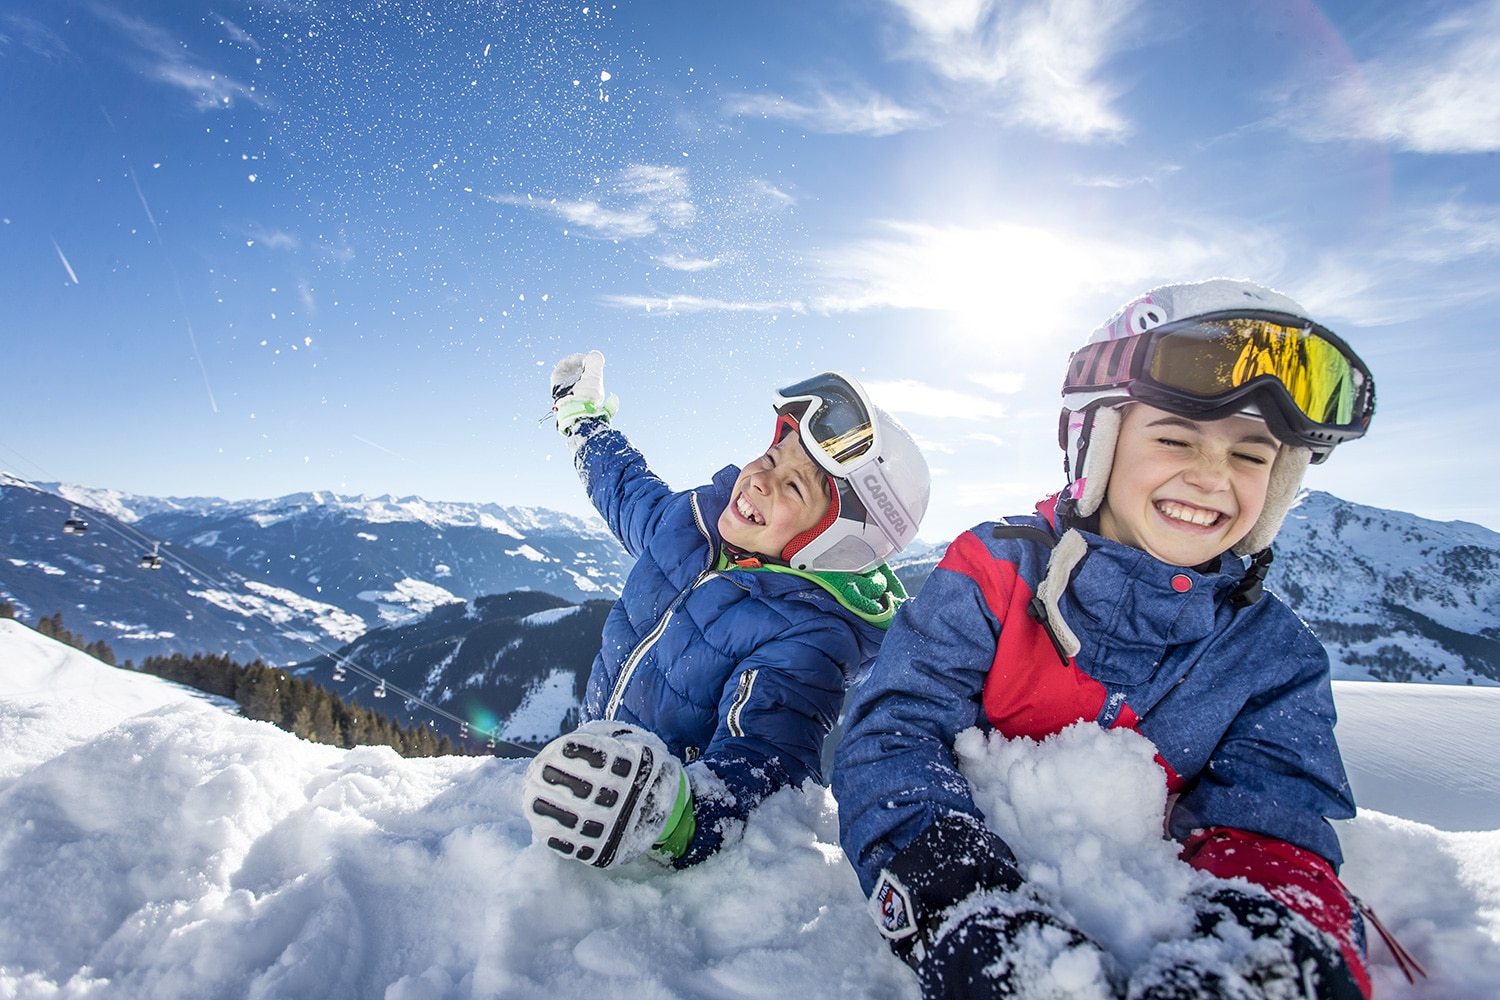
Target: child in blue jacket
(1133, 598)
(753, 601)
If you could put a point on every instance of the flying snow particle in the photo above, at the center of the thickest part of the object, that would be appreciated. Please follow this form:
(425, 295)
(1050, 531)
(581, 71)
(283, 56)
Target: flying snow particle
(604, 74)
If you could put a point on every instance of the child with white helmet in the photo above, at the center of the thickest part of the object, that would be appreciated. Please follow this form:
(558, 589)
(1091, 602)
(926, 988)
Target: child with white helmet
(753, 601)
(1132, 598)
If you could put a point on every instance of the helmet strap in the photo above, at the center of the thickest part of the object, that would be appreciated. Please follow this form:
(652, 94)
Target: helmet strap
(1253, 585)
(742, 558)
(824, 523)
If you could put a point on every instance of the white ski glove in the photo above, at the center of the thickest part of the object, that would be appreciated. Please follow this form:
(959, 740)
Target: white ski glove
(578, 391)
(607, 793)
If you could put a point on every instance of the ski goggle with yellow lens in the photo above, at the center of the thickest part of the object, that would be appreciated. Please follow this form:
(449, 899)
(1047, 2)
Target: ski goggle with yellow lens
(835, 423)
(1311, 389)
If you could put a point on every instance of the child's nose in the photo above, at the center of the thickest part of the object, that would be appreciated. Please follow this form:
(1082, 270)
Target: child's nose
(1208, 472)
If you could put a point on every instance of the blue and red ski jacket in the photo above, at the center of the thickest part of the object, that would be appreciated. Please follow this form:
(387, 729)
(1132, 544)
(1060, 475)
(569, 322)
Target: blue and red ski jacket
(1237, 701)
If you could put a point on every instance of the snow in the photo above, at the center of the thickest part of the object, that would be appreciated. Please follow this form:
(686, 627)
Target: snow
(154, 844)
(543, 708)
(407, 599)
(527, 552)
(45, 567)
(551, 615)
(287, 607)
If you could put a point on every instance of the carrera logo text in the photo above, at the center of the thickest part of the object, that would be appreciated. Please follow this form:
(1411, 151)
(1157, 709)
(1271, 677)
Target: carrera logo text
(882, 499)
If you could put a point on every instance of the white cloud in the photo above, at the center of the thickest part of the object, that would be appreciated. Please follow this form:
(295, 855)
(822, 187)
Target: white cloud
(274, 239)
(677, 262)
(1043, 59)
(643, 200)
(697, 304)
(1433, 258)
(864, 114)
(910, 397)
(1116, 182)
(35, 36)
(1003, 383)
(1432, 91)
(165, 59)
(1013, 283)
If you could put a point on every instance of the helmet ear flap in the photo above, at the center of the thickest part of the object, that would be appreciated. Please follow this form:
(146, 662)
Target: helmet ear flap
(1090, 455)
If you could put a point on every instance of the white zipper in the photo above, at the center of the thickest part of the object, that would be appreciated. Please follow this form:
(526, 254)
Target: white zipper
(637, 654)
(741, 695)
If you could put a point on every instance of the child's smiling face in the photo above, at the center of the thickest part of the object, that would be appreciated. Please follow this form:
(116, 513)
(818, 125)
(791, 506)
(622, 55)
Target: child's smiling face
(776, 497)
(1185, 490)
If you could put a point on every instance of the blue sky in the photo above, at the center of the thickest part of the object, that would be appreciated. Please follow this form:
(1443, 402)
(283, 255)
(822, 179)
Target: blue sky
(260, 248)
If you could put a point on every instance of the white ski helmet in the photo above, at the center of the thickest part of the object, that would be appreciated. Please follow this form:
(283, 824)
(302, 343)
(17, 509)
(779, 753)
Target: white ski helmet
(1206, 350)
(879, 480)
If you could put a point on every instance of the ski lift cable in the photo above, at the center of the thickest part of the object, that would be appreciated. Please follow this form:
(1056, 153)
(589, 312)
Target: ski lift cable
(114, 526)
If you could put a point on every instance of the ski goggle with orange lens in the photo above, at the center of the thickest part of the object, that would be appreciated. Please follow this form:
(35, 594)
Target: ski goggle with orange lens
(836, 425)
(1312, 390)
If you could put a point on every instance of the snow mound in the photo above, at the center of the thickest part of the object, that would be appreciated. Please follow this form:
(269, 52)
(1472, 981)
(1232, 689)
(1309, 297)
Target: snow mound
(155, 845)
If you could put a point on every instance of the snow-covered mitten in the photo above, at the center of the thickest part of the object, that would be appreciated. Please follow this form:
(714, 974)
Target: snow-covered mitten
(952, 904)
(607, 793)
(1246, 946)
(578, 391)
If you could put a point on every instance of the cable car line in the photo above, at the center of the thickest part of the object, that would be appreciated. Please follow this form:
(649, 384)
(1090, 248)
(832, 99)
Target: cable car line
(154, 560)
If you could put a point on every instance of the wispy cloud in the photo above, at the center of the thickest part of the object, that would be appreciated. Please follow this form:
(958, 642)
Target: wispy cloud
(1116, 182)
(684, 304)
(36, 37)
(1042, 60)
(1435, 258)
(1432, 91)
(643, 200)
(842, 114)
(1009, 281)
(908, 397)
(271, 239)
(677, 262)
(164, 58)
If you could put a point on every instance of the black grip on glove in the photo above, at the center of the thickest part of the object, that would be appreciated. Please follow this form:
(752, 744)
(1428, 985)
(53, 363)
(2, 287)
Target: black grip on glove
(1308, 965)
(949, 861)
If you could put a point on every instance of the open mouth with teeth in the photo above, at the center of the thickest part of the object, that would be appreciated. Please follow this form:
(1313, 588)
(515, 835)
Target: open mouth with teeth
(749, 513)
(1182, 513)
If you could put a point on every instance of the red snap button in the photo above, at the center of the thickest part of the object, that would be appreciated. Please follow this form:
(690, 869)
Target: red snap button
(1182, 583)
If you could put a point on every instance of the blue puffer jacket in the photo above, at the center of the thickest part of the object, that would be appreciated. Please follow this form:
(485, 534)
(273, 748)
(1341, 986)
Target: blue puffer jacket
(1236, 700)
(741, 671)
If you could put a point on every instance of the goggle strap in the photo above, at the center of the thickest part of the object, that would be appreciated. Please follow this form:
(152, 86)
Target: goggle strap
(1106, 364)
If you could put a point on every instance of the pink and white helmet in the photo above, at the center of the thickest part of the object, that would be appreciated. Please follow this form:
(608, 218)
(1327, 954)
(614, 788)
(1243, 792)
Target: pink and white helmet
(1206, 350)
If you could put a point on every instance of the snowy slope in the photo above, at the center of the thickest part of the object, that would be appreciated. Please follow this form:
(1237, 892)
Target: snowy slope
(156, 846)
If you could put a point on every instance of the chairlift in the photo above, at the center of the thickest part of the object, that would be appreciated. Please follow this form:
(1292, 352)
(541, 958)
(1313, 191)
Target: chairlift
(380, 688)
(74, 525)
(152, 559)
(491, 742)
(463, 730)
(338, 670)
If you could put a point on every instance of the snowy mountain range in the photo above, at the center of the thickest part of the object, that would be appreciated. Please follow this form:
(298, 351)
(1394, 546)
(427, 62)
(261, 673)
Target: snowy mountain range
(397, 586)
(283, 580)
